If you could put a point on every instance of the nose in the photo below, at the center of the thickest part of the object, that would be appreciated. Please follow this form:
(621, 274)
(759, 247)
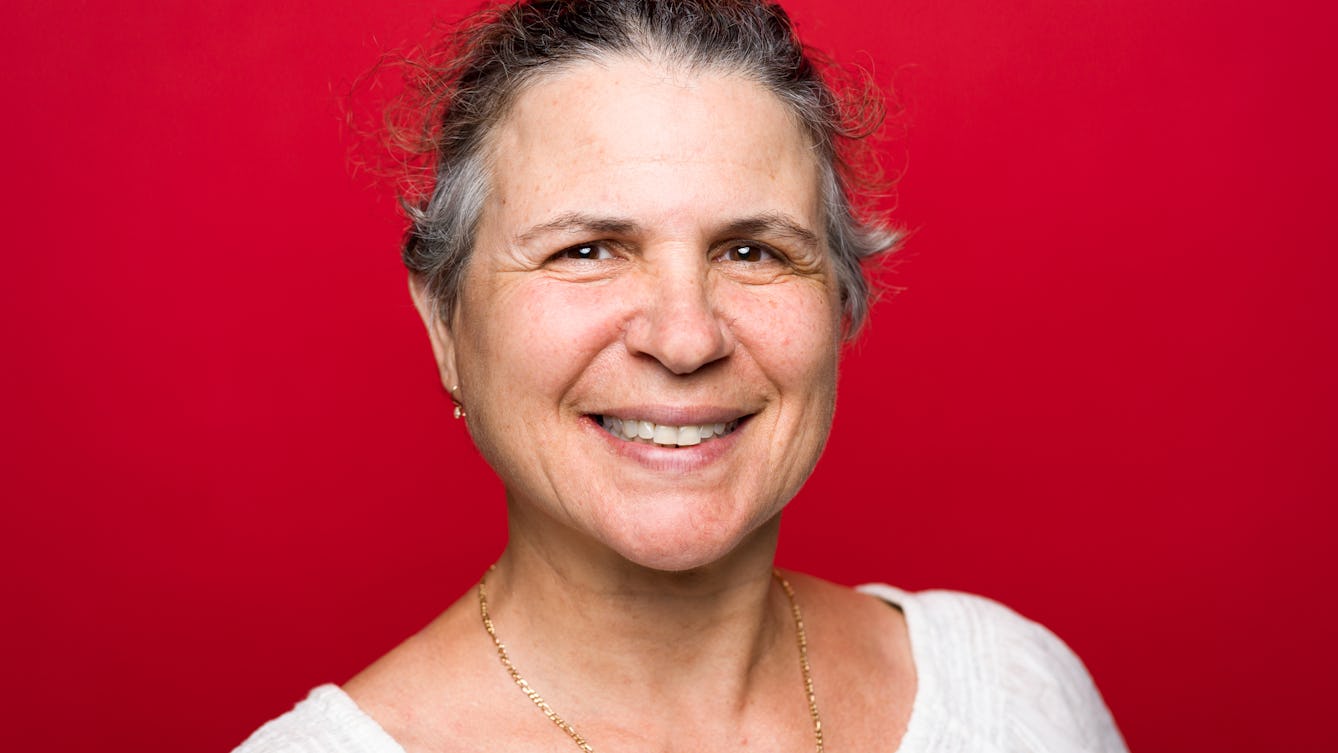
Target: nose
(679, 323)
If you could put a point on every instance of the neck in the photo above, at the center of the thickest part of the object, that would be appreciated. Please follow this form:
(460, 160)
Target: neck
(600, 630)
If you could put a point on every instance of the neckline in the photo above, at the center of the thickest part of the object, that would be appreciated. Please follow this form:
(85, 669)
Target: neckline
(335, 702)
(914, 738)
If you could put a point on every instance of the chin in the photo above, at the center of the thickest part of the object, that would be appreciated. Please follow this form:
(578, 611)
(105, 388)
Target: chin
(682, 540)
(674, 559)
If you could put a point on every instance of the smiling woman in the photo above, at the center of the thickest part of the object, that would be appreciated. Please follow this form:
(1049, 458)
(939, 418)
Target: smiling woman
(636, 268)
(609, 252)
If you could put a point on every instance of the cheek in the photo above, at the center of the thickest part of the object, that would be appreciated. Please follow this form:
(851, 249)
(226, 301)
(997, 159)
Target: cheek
(794, 334)
(521, 348)
(535, 340)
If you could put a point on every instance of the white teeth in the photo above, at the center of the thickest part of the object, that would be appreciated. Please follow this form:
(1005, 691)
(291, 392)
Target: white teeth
(663, 434)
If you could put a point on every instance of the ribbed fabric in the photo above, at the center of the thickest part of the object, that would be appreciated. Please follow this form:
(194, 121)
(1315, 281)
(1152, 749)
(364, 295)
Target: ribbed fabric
(988, 681)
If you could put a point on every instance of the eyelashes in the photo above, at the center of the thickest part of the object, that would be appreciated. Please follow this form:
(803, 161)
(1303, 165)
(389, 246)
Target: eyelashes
(739, 252)
(585, 252)
(749, 253)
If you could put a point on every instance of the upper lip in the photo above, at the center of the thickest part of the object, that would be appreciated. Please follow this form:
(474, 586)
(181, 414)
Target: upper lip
(675, 415)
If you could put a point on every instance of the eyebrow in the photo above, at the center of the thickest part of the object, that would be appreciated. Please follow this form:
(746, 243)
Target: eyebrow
(773, 224)
(577, 222)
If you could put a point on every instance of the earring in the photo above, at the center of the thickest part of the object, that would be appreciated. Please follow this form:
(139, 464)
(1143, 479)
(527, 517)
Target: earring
(459, 408)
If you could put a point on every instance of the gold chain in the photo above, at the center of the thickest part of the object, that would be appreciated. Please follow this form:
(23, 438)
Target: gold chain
(575, 736)
(803, 657)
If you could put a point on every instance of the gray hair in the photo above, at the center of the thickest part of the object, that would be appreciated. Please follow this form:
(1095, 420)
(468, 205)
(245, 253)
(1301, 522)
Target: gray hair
(498, 52)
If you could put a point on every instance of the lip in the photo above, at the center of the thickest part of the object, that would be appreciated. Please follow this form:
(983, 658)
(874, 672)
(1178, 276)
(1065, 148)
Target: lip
(672, 459)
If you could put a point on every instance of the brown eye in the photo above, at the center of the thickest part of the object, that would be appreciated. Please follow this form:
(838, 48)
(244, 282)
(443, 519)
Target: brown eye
(585, 252)
(749, 252)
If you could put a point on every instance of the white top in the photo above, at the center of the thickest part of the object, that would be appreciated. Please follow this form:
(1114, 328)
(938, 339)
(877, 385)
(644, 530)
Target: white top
(988, 681)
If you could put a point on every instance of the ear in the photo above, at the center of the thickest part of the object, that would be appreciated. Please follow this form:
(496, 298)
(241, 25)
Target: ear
(443, 345)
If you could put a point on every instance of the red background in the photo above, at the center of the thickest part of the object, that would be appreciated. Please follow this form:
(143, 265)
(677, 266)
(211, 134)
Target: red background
(1104, 397)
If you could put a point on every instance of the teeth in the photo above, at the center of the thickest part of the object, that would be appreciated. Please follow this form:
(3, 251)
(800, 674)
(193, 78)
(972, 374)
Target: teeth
(663, 434)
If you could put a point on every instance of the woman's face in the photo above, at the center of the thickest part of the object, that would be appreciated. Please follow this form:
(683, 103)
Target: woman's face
(650, 261)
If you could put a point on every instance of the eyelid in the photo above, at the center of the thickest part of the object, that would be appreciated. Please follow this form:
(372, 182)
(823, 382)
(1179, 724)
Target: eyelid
(766, 248)
(604, 250)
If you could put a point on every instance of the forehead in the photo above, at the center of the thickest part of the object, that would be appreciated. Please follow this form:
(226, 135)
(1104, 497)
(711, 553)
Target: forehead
(631, 137)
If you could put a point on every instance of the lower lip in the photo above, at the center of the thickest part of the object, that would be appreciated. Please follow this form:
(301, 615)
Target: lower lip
(672, 459)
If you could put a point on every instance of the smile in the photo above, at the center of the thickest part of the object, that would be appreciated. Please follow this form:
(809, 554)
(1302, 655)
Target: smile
(646, 432)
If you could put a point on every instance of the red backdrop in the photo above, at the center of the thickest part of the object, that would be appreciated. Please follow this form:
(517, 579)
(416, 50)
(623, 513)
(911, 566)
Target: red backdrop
(1104, 395)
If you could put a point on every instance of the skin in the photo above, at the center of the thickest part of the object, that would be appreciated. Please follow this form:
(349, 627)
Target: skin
(651, 248)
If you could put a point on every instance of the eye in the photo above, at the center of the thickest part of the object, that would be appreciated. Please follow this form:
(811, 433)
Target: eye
(749, 252)
(585, 252)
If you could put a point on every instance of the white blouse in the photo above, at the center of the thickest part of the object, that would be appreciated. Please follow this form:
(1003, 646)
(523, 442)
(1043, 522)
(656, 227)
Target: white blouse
(988, 681)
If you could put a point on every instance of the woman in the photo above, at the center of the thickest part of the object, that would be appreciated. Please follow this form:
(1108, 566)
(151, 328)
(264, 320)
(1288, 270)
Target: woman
(636, 269)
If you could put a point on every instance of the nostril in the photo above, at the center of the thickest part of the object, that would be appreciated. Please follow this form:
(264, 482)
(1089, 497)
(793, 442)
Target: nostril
(677, 320)
(682, 344)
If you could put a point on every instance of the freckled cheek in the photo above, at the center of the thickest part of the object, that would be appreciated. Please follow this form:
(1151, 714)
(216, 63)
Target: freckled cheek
(550, 332)
(796, 336)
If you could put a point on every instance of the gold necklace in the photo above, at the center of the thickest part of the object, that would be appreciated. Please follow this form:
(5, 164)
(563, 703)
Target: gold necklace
(575, 736)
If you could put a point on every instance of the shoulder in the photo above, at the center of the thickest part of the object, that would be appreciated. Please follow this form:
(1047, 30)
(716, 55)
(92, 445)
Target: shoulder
(328, 721)
(992, 676)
